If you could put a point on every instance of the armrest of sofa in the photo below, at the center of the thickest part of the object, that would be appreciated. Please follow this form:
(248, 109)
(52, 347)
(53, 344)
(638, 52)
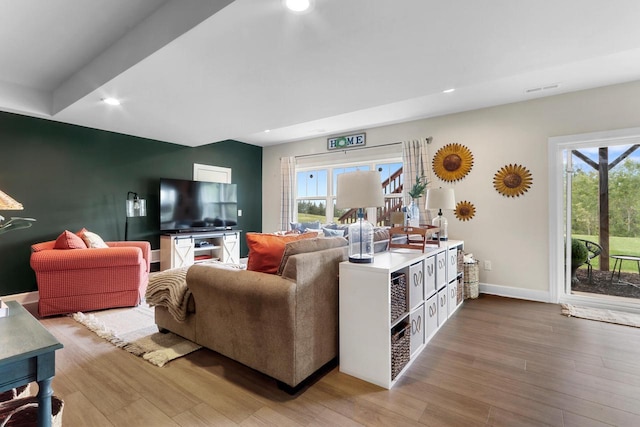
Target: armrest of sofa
(72, 259)
(144, 246)
(317, 283)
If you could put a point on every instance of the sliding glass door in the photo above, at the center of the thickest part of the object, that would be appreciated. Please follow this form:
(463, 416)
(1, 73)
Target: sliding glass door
(595, 213)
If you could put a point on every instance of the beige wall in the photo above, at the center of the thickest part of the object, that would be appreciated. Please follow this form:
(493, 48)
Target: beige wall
(510, 232)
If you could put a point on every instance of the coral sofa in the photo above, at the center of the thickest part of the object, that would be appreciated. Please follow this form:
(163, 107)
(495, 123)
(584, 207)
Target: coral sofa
(84, 279)
(284, 325)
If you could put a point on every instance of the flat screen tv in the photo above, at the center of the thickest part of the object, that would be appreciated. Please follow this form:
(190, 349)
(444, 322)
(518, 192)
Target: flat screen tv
(197, 205)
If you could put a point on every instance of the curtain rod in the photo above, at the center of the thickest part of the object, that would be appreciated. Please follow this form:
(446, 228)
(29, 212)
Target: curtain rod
(346, 151)
(429, 140)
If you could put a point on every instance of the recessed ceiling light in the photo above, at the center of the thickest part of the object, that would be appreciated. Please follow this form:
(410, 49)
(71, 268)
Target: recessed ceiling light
(298, 5)
(449, 90)
(111, 101)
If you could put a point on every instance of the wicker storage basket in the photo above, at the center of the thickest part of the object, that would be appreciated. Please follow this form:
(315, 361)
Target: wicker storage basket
(460, 291)
(398, 295)
(460, 261)
(400, 347)
(471, 279)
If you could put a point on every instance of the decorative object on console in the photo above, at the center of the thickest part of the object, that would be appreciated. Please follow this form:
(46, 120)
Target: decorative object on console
(136, 207)
(15, 223)
(397, 218)
(465, 210)
(413, 210)
(415, 237)
(359, 190)
(441, 198)
(512, 180)
(452, 162)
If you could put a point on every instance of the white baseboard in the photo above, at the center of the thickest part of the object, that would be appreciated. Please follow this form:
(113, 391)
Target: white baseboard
(519, 293)
(24, 298)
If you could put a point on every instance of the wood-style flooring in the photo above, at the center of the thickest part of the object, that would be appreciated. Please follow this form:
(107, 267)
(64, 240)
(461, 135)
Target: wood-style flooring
(497, 361)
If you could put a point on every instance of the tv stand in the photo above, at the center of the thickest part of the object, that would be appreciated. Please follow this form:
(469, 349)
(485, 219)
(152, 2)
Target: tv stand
(179, 249)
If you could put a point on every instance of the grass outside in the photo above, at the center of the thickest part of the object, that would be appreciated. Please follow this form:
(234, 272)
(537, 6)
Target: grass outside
(303, 217)
(617, 246)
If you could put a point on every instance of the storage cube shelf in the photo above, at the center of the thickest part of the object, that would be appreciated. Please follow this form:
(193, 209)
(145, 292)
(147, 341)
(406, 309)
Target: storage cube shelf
(391, 308)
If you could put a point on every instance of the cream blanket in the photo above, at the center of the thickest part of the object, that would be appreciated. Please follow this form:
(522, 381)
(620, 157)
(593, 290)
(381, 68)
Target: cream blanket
(169, 289)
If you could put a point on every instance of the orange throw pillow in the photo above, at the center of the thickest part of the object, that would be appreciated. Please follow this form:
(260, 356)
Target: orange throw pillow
(265, 250)
(69, 240)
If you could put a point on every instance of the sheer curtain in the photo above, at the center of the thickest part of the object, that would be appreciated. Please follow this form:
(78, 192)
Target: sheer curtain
(288, 199)
(415, 160)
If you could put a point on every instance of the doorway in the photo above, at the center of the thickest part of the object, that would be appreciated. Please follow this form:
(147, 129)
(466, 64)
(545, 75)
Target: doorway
(592, 196)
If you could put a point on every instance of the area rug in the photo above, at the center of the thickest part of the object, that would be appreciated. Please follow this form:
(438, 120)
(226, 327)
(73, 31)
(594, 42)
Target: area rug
(602, 315)
(134, 330)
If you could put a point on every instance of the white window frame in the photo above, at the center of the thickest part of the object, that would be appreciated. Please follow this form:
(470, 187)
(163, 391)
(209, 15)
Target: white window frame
(330, 198)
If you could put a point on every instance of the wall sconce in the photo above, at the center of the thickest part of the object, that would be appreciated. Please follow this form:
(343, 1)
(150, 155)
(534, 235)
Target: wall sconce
(136, 207)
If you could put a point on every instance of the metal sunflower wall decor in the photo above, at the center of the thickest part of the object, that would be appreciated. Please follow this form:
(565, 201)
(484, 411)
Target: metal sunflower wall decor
(452, 162)
(465, 210)
(512, 180)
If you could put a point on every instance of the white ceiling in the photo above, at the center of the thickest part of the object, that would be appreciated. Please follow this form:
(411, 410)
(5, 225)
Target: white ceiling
(193, 72)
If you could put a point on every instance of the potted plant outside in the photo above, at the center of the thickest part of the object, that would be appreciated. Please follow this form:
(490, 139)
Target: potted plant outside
(579, 254)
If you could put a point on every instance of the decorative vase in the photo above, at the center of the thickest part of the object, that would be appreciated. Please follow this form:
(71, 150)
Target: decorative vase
(413, 214)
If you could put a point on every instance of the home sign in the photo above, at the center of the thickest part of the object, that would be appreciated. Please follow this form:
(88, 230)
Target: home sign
(347, 141)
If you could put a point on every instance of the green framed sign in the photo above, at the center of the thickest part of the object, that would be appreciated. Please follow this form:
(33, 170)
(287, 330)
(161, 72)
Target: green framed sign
(347, 141)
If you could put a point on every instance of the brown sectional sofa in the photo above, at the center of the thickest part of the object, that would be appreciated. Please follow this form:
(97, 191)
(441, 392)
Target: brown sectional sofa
(285, 326)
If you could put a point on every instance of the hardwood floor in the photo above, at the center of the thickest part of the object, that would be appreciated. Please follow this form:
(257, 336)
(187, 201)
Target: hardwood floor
(498, 361)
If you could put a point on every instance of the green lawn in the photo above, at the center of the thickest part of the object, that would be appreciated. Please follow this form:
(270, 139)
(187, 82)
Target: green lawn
(303, 217)
(617, 246)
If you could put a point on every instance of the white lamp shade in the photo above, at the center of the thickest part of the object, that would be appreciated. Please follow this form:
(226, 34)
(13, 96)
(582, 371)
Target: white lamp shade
(441, 198)
(360, 189)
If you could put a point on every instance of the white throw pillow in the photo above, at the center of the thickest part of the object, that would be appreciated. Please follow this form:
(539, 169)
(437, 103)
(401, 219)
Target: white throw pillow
(92, 240)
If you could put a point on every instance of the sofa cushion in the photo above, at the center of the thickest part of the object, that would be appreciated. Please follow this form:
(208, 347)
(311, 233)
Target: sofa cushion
(309, 245)
(265, 250)
(92, 240)
(330, 232)
(69, 240)
(302, 227)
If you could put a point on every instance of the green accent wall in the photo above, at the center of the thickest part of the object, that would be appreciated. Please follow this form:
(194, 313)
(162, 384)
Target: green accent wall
(69, 177)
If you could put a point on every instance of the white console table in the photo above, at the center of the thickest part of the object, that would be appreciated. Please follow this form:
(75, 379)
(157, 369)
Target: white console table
(184, 249)
(371, 310)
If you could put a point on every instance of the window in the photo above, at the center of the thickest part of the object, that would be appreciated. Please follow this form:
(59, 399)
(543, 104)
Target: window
(316, 190)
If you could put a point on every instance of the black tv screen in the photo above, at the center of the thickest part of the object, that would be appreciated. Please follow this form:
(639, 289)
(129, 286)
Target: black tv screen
(197, 205)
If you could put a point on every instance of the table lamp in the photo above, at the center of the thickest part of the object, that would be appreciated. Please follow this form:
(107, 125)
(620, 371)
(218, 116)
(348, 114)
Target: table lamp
(360, 190)
(441, 198)
(136, 207)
